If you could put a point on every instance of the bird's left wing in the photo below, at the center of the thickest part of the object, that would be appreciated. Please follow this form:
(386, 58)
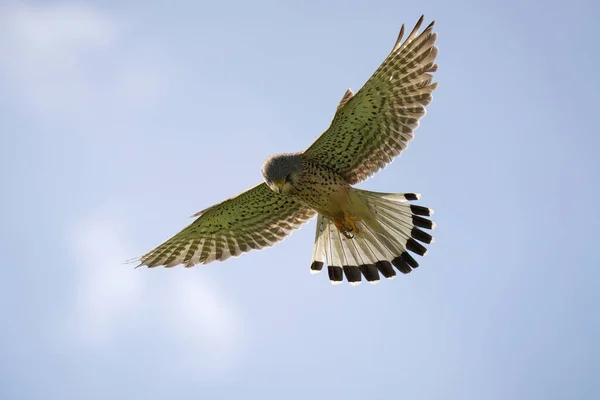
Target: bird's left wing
(254, 219)
(374, 126)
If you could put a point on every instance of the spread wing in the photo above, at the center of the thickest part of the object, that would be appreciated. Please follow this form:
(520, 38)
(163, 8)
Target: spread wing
(254, 219)
(372, 127)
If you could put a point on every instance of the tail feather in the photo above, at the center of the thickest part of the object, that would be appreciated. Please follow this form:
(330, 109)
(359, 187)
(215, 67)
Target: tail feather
(378, 246)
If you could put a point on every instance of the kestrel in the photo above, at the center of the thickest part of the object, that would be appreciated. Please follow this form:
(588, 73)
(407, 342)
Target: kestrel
(359, 233)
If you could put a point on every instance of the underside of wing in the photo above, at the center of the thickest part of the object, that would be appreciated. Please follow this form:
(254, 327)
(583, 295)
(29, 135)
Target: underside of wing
(254, 219)
(372, 127)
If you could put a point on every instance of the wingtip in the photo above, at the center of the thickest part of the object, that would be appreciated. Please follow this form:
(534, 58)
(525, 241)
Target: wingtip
(131, 260)
(421, 19)
(400, 36)
(431, 24)
(411, 196)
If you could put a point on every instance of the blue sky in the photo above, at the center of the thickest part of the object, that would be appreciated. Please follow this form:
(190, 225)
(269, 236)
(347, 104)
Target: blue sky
(118, 120)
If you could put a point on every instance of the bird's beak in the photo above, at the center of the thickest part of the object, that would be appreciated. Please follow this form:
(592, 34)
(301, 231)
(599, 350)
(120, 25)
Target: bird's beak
(278, 186)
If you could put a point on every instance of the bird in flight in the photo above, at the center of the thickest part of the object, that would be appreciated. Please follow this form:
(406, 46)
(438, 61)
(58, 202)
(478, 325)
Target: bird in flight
(359, 233)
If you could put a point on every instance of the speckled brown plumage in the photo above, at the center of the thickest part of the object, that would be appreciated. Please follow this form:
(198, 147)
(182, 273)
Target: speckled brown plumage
(376, 124)
(368, 130)
(255, 219)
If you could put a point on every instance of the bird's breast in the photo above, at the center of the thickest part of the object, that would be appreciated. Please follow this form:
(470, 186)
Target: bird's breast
(321, 189)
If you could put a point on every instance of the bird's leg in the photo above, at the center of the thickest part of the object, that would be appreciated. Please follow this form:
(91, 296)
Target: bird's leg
(347, 234)
(346, 224)
(350, 220)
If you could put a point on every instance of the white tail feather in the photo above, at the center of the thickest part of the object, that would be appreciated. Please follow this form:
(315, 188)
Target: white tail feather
(377, 245)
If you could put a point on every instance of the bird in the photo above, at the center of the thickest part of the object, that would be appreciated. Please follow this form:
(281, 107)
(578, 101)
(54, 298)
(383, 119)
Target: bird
(359, 233)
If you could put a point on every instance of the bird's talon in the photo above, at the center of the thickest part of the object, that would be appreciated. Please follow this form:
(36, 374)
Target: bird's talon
(350, 221)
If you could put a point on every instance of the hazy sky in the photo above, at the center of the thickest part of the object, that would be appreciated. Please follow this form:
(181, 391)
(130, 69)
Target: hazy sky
(119, 119)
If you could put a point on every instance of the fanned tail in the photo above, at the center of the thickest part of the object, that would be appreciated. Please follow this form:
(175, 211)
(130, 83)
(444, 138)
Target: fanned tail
(378, 246)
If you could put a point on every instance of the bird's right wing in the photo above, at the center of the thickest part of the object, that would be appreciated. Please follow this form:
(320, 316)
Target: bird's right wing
(374, 126)
(253, 219)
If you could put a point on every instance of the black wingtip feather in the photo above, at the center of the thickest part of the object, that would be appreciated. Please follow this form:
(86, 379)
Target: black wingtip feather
(401, 264)
(352, 273)
(422, 222)
(386, 269)
(420, 210)
(411, 196)
(370, 272)
(335, 273)
(420, 235)
(415, 247)
(316, 266)
(409, 260)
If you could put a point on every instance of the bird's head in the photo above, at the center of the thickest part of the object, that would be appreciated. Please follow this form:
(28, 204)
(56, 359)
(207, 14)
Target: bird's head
(281, 170)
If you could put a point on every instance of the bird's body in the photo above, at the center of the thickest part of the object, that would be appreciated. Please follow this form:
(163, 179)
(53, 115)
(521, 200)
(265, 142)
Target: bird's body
(318, 187)
(359, 233)
(322, 189)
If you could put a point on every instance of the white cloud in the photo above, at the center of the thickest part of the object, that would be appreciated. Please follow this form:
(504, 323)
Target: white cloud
(201, 317)
(106, 295)
(75, 61)
(70, 63)
(115, 302)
